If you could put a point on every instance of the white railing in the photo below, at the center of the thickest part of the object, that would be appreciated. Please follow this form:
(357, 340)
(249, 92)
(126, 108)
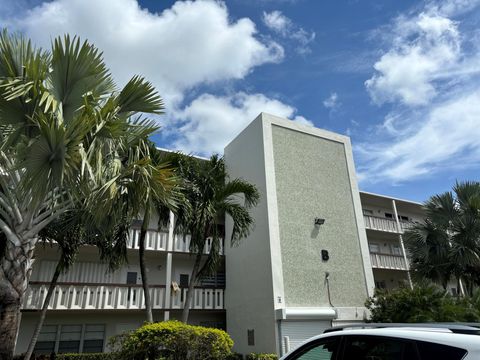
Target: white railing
(406, 225)
(384, 261)
(92, 297)
(109, 297)
(154, 240)
(181, 243)
(203, 298)
(378, 223)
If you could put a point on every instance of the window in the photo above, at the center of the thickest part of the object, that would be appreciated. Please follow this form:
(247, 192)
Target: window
(431, 351)
(389, 215)
(131, 278)
(367, 212)
(46, 340)
(396, 250)
(324, 349)
(93, 338)
(374, 248)
(379, 348)
(184, 280)
(70, 338)
(403, 218)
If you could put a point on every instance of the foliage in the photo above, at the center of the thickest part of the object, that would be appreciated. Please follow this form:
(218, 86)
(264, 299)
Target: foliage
(86, 356)
(423, 303)
(447, 243)
(68, 136)
(174, 340)
(235, 356)
(255, 356)
(208, 196)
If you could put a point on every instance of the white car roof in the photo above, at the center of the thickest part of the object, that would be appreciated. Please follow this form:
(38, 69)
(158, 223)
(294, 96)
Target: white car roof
(469, 342)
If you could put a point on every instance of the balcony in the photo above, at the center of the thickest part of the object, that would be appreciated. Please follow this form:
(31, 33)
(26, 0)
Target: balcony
(387, 261)
(379, 223)
(154, 240)
(71, 296)
(384, 224)
(202, 299)
(181, 243)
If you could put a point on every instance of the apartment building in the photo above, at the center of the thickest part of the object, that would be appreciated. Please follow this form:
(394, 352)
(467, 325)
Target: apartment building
(318, 249)
(385, 220)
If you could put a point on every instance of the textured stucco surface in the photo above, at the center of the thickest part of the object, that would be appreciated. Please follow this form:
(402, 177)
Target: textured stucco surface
(312, 181)
(249, 287)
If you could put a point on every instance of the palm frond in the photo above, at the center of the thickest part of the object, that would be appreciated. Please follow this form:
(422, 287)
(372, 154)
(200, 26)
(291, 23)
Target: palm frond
(139, 95)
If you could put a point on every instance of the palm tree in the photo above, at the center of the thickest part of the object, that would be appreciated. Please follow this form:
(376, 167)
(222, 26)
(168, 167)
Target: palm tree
(447, 244)
(209, 195)
(141, 186)
(72, 231)
(61, 125)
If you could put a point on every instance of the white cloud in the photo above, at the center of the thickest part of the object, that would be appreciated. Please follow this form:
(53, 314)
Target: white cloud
(285, 27)
(186, 45)
(277, 22)
(210, 122)
(332, 101)
(431, 76)
(425, 50)
(448, 139)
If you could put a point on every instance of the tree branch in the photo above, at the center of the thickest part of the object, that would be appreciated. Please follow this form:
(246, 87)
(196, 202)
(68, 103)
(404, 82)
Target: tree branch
(56, 212)
(11, 236)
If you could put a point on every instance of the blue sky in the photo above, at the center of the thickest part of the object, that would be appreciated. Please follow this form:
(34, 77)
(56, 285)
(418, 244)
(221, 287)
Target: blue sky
(401, 78)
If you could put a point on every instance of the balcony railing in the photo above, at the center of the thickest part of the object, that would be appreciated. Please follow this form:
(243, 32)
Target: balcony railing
(384, 224)
(181, 243)
(71, 296)
(386, 261)
(154, 240)
(202, 299)
(379, 223)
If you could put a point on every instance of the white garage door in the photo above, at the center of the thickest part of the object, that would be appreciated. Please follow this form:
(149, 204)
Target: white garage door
(294, 332)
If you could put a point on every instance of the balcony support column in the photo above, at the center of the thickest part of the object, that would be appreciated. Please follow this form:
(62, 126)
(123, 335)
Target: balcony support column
(168, 270)
(395, 212)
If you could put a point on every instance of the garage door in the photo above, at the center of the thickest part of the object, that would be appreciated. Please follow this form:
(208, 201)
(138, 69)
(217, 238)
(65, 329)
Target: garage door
(294, 332)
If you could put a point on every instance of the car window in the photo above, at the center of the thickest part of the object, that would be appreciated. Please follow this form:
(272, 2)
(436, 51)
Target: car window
(378, 348)
(323, 349)
(432, 351)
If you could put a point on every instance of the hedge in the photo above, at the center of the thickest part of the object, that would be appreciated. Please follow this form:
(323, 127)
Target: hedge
(86, 356)
(173, 340)
(254, 356)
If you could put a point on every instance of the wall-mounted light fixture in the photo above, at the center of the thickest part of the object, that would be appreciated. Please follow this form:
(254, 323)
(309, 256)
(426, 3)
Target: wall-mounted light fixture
(319, 221)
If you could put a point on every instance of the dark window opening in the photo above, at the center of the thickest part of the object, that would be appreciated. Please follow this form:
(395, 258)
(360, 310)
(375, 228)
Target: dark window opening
(251, 337)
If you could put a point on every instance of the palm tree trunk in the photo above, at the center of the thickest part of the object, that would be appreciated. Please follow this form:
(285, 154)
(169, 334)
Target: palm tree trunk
(143, 272)
(193, 280)
(9, 320)
(15, 269)
(43, 313)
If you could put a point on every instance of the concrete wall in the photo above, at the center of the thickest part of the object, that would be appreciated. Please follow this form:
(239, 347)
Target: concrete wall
(313, 180)
(249, 289)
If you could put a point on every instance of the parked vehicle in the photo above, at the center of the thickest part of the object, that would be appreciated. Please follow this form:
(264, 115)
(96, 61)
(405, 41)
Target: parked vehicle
(392, 342)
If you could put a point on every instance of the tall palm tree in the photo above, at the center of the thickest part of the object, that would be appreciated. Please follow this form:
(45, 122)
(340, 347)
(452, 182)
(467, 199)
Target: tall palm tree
(446, 244)
(141, 186)
(61, 124)
(209, 196)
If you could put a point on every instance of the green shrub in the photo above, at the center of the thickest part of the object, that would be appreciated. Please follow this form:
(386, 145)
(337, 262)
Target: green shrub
(173, 340)
(91, 356)
(254, 356)
(235, 356)
(423, 303)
